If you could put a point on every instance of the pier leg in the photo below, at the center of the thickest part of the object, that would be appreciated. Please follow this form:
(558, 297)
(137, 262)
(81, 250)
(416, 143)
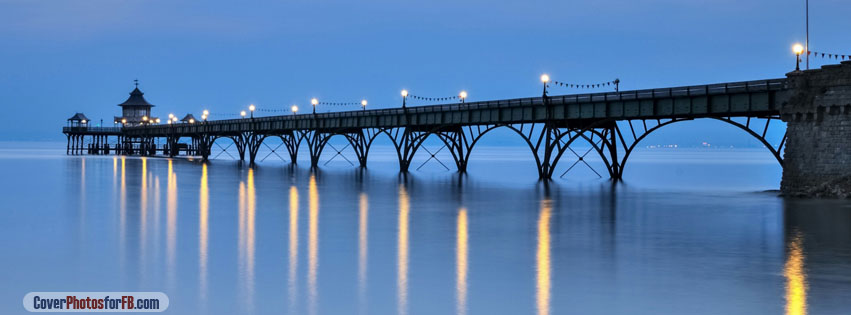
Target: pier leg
(315, 144)
(239, 141)
(253, 143)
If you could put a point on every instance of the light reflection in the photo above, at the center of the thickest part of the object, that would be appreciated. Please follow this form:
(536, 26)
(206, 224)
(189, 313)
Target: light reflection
(796, 278)
(143, 216)
(246, 238)
(313, 244)
(402, 263)
(461, 262)
(252, 206)
(156, 218)
(122, 216)
(203, 228)
(293, 263)
(542, 293)
(363, 224)
(171, 222)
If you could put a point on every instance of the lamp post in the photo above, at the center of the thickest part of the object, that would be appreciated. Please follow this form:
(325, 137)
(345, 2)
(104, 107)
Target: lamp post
(242, 113)
(294, 109)
(204, 115)
(144, 120)
(463, 96)
(544, 79)
(314, 102)
(363, 104)
(798, 49)
(251, 108)
(404, 97)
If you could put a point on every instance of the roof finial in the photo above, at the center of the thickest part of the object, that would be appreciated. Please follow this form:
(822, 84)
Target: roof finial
(136, 81)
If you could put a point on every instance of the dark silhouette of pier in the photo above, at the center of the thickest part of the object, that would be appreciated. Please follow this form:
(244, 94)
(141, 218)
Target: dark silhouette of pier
(613, 123)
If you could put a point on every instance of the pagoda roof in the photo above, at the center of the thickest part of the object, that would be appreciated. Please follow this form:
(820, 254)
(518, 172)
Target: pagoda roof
(136, 99)
(188, 117)
(79, 117)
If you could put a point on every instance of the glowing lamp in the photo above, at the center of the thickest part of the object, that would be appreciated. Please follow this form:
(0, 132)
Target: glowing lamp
(798, 49)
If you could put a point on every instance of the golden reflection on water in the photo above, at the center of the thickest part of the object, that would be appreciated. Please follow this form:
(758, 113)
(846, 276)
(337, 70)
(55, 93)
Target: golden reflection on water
(203, 228)
(796, 278)
(143, 213)
(171, 224)
(402, 263)
(156, 219)
(293, 263)
(461, 262)
(313, 244)
(363, 227)
(542, 293)
(246, 237)
(122, 211)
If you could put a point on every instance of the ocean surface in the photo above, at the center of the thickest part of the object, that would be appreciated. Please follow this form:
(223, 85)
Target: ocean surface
(688, 231)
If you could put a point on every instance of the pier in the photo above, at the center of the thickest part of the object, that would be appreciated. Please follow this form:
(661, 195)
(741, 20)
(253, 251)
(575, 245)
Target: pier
(612, 123)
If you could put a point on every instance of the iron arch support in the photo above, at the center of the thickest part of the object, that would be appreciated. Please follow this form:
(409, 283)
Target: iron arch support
(775, 151)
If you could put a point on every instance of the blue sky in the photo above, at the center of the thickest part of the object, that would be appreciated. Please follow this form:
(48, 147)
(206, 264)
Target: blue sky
(60, 57)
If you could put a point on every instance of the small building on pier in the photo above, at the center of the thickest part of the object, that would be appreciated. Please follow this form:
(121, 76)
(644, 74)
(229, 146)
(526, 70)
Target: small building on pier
(135, 110)
(78, 120)
(189, 118)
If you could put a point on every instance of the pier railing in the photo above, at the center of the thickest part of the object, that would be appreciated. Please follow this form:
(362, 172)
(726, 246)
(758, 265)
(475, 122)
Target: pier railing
(92, 130)
(747, 98)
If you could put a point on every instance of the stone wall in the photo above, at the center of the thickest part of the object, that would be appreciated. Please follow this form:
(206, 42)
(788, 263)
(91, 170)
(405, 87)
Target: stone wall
(817, 156)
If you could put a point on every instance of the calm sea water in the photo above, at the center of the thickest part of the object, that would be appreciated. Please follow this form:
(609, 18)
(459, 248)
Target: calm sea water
(687, 232)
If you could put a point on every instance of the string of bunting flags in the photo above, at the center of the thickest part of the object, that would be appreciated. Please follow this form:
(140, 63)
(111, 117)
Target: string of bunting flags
(358, 103)
(614, 82)
(828, 55)
(268, 110)
(439, 99)
(224, 114)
